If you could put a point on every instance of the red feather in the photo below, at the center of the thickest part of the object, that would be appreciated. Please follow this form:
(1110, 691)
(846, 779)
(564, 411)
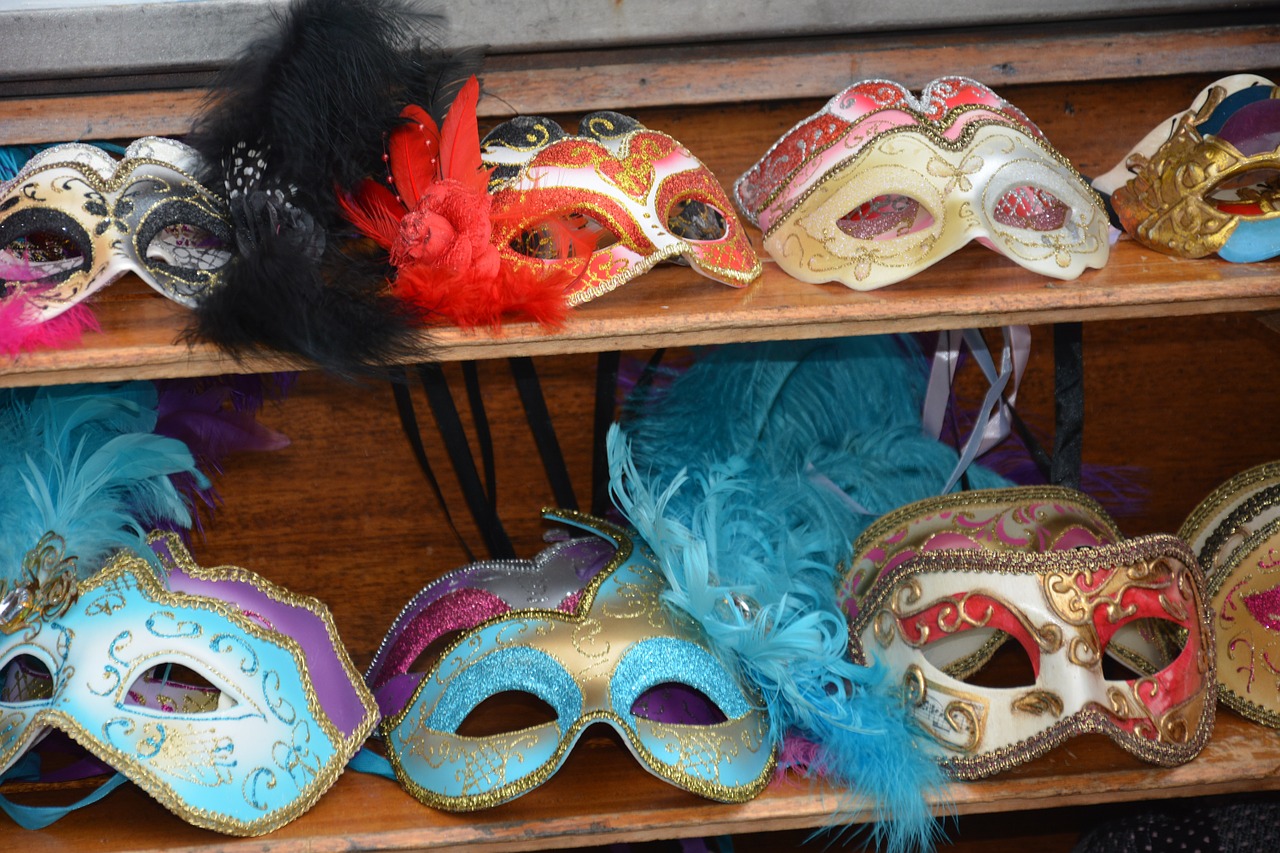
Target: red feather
(460, 140)
(374, 210)
(413, 150)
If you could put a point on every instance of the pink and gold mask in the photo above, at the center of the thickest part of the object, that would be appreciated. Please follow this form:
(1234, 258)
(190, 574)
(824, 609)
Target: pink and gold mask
(74, 219)
(1047, 575)
(880, 184)
(637, 196)
(1236, 534)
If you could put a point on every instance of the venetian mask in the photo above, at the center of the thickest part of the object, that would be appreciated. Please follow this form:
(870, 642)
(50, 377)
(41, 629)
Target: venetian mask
(635, 196)
(1044, 572)
(582, 628)
(74, 219)
(264, 715)
(880, 184)
(1214, 185)
(1236, 534)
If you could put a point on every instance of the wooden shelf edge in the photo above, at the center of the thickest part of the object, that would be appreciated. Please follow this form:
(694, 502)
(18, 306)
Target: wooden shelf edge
(675, 307)
(619, 802)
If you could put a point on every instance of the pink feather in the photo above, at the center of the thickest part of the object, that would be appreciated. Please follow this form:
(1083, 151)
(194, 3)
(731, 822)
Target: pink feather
(19, 334)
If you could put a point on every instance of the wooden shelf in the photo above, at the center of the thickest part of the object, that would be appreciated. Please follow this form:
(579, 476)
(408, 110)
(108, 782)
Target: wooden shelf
(602, 796)
(673, 306)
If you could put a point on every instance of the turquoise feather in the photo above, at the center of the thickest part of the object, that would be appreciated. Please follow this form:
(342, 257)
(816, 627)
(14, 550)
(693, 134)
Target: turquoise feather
(82, 462)
(750, 477)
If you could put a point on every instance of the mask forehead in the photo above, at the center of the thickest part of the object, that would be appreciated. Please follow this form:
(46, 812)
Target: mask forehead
(1065, 607)
(589, 666)
(1032, 519)
(845, 123)
(254, 760)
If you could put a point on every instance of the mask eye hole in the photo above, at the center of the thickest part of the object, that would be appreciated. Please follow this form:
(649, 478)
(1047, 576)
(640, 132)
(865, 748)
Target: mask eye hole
(671, 702)
(1142, 647)
(572, 235)
(506, 712)
(176, 689)
(1032, 209)
(690, 219)
(1251, 193)
(994, 663)
(40, 257)
(188, 247)
(885, 217)
(25, 679)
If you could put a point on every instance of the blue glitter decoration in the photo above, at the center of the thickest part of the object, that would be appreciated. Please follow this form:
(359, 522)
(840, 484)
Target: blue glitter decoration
(665, 659)
(518, 668)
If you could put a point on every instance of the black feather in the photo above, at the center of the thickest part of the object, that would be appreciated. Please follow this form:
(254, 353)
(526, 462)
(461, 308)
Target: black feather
(303, 111)
(318, 94)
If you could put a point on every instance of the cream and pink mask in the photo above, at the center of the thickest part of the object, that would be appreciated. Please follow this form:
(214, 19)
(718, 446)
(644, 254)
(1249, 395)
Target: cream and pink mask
(938, 586)
(1235, 532)
(635, 196)
(881, 184)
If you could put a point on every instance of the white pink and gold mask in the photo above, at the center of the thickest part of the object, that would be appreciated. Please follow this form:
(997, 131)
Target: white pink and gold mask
(879, 185)
(945, 582)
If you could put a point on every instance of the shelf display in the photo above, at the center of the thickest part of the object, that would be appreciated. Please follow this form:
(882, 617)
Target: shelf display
(601, 795)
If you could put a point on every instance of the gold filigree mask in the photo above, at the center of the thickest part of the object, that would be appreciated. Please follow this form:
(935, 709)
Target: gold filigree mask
(1214, 185)
(618, 657)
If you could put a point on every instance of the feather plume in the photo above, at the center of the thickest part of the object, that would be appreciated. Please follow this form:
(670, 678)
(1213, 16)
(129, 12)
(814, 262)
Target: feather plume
(460, 141)
(413, 154)
(19, 334)
(375, 211)
(320, 90)
(438, 230)
(214, 418)
(306, 110)
(751, 475)
(83, 462)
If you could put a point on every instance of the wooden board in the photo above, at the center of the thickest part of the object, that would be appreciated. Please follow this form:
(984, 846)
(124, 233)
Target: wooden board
(630, 79)
(602, 796)
(676, 307)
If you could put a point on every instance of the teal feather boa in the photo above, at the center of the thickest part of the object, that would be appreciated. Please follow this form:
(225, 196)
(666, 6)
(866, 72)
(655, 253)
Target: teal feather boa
(750, 477)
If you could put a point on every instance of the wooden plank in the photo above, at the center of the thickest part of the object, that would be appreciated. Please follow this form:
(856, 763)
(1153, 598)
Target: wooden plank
(673, 306)
(602, 796)
(581, 81)
(87, 39)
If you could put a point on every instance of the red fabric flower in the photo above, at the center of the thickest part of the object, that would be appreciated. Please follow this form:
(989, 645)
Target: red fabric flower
(449, 230)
